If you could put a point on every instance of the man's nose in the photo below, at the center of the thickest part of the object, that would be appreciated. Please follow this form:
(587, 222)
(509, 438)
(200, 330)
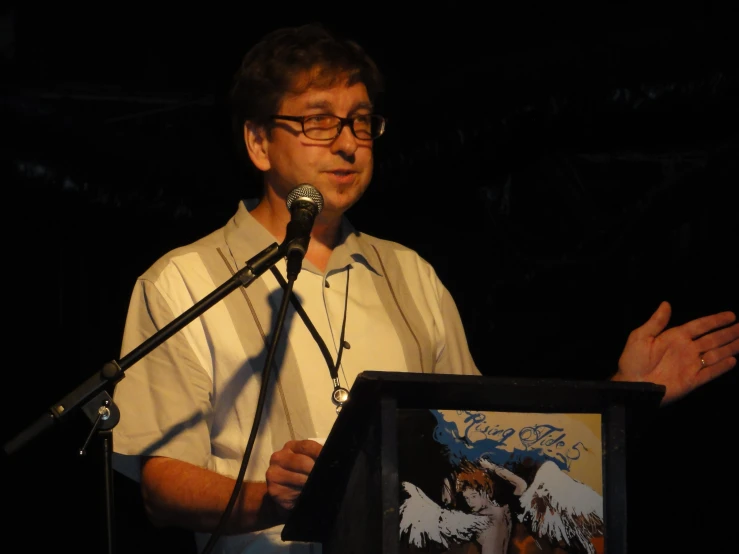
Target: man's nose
(346, 142)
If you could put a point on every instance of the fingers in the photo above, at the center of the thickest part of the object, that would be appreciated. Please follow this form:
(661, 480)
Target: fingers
(296, 457)
(721, 343)
(289, 469)
(293, 477)
(710, 372)
(701, 326)
(656, 323)
(284, 496)
(719, 348)
(290, 466)
(308, 447)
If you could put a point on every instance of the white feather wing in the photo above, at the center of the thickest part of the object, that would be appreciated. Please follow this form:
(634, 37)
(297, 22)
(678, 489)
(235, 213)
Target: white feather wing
(425, 521)
(560, 508)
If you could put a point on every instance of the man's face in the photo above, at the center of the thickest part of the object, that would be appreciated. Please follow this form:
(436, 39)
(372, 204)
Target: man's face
(340, 169)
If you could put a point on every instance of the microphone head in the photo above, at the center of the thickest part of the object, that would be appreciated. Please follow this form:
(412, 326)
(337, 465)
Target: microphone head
(308, 193)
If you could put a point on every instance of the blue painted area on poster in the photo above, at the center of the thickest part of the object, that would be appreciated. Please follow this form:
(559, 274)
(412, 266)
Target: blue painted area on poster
(541, 442)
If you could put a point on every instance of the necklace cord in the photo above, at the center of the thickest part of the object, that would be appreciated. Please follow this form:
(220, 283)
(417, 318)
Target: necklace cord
(332, 368)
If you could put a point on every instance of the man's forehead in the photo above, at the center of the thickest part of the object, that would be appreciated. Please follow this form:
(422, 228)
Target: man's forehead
(319, 96)
(319, 77)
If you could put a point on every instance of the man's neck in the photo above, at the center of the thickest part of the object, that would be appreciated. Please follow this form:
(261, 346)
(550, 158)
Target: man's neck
(274, 216)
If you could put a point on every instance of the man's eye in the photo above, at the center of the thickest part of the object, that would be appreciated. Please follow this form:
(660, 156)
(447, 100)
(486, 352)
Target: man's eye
(321, 120)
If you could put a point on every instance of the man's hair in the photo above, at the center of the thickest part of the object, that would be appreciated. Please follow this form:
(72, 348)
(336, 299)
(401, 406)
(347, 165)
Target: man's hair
(279, 63)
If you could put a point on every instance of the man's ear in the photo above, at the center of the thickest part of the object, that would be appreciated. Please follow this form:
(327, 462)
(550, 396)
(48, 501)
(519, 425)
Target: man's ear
(257, 145)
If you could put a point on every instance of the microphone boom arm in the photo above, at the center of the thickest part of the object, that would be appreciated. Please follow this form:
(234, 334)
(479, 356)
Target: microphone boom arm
(113, 371)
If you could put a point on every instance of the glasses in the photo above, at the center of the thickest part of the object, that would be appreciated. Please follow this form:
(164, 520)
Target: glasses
(328, 127)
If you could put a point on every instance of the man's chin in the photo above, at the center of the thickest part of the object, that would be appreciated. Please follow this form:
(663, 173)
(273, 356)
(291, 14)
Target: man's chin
(341, 201)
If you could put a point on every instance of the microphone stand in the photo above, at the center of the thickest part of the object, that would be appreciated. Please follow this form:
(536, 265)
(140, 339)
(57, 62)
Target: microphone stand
(92, 396)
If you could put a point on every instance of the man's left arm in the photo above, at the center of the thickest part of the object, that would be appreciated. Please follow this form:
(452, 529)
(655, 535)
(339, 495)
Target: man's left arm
(680, 358)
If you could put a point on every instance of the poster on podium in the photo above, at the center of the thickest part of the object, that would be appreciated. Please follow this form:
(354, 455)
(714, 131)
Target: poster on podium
(500, 482)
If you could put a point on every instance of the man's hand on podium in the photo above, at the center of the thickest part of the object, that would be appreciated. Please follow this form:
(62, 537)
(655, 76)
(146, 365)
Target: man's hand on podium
(288, 471)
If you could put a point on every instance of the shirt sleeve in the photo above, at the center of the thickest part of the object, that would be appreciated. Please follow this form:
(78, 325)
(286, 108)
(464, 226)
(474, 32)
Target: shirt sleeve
(455, 357)
(165, 398)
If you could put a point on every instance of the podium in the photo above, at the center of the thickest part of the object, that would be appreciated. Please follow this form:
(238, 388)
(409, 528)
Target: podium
(404, 432)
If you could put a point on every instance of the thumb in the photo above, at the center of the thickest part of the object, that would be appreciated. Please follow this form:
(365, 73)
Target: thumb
(656, 323)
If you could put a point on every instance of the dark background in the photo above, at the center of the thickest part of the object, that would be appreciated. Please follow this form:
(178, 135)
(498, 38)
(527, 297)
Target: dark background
(564, 170)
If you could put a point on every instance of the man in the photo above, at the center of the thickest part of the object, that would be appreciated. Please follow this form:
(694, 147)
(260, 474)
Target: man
(303, 102)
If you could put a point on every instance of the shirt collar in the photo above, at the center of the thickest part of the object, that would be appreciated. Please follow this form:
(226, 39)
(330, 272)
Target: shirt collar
(246, 237)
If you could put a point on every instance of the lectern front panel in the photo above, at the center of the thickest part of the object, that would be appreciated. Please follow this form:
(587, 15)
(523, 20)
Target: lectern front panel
(497, 481)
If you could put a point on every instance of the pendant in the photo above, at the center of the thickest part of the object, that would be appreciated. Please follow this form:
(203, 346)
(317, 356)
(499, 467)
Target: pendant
(339, 397)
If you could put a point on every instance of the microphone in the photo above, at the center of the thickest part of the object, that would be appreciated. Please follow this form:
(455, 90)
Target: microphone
(304, 203)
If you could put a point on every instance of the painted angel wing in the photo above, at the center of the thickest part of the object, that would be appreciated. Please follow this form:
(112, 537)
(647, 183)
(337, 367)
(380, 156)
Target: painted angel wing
(425, 521)
(560, 508)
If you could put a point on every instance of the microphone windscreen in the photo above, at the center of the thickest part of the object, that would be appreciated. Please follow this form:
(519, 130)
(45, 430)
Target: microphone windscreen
(306, 192)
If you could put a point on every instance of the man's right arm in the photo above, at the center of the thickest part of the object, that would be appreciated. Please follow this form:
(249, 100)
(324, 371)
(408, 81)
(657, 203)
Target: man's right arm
(177, 493)
(180, 494)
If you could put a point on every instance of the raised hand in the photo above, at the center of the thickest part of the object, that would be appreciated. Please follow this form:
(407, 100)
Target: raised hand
(680, 358)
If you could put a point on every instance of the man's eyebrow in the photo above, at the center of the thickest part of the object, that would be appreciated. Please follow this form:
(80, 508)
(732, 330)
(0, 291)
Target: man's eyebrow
(362, 106)
(318, 104)
(325, 105)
